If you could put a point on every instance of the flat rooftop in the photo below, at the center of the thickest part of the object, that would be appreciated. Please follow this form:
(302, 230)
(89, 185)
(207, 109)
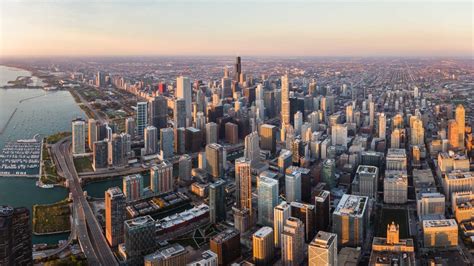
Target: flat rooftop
(351, 205)
(166, 252)
(396, 176)
(460, 175)
(323, 239)
(396, 153)
(322, 195)
(225, 235)
(263, 232)
(440, 223)
(140, 221)
(367, 169)
(115, 192)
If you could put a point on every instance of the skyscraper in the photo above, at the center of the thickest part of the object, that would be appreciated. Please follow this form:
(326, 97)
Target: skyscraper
(166, 143)
(237, 69)
(184, 90)
(461, 121)
(322, 202)
(453, 134)
(217, 202)
(142, 118)
(371, 114)
(323, 250)
(133, 187)
(211, 133)
(243, 182)
(292, 242)
(130, 127)
(215, 159)
(285, 100)
(15, 236)
(382, 126)
(179, 113)
(100, 154)
(293, 186)
(349, 220)
(161, 177)
(252, 148)
(78, 136)
(268, 135)
(151, 140)
(365, 181)
(91, 133)
(226, 245)
(306, 214)
(185, 166)
(417, 133)
(139, 239)
(267, 199)
(280, 214)
(115, 215)
(158, 112)
(262, 245)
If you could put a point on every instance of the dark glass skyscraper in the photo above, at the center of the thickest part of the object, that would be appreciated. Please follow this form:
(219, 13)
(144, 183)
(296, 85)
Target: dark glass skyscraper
(15, 236)
(237, 68)
(217, 201)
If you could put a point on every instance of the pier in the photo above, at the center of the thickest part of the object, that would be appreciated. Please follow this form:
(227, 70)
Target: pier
(21, 158)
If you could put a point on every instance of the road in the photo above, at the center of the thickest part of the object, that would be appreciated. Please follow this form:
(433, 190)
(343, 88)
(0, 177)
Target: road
(87, 229)
(97, 116)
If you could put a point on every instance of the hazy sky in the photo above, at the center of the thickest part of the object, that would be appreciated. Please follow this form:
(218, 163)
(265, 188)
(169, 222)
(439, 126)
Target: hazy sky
(318, 28)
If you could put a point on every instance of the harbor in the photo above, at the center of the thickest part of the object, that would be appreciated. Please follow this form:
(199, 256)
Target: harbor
(21, 158)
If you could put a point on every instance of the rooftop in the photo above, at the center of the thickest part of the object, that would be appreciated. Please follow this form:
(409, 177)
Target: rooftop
(440, 223)
(323, 239)
(263, 232)
(166, 252)
(460, 175)
(225, 235)
(367, 169)
(351, 205)
(139, 221)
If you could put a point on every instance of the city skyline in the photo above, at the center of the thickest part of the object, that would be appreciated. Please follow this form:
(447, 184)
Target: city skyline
(249, 28)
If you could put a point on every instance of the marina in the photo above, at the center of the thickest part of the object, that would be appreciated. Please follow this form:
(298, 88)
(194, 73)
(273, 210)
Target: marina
(21, 158)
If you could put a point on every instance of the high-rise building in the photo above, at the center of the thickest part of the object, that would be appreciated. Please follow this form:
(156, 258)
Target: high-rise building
(284, 160)
(161, 177)
(305, 213)
(252, 148)
(174, 254)
(371, 114)
(430, 203)
(395, 187)
(92, 127)
(322, 202)
(292, 242)
(185, 166)
(365, 181)
(217, 201)
(179, 113)
(142, 118)
(339, 135)
(211, 133)
(262, 245)
(417, 133)
(323, 250)
(184, 90)
(461, 123)
(115, 215)
(293, 186)
(396, 159)
(328, 173)
(130, 126)
(215, 159)
(382, 126)
(440, 233)
(166, 143)
(231, 133)
(100, 154)
(285, 100)
(268, 135)
(208, 258)
(267, 199)
(226, 245)
(151, 140)
(180, 140)
(243, 182)
(237, 68)
(78, 136)
(15, 236)
(133, 187)
(349, 220)
(280, 214)
(139, 239)
(158, 112)
(349, 114)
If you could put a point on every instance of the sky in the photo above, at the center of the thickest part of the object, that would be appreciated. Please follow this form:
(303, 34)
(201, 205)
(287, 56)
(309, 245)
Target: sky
(265, 28)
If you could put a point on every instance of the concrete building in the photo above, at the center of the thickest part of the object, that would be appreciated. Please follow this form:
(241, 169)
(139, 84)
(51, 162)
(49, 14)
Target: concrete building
(280, 214)
(396, 159)
(267, 192)
(461, 124)
(252, 148)
(151, 140)
(284, 160)
(78, 136)
(262, 246)
(323, 250)
(293, 186)
(133, 187)
(339, 135)
(208, 258)
(462, 204)
(349, 220)
(174, 254)
(115, 215)
(227, 246)
(268, 136)
(215, 160)
(292, 242)
(395, 187)
(430, 203)
(185, 165)
(392, 250)
(365, 181)
(161, 177)
(440, 233)
(458, 181)
(142, 118)
(139, 239)
(212, 133)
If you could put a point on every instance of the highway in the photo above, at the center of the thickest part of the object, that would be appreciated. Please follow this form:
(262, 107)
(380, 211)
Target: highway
(87, 229)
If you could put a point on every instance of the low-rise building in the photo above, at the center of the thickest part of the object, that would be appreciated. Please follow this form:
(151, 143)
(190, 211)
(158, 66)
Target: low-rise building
(440, 233)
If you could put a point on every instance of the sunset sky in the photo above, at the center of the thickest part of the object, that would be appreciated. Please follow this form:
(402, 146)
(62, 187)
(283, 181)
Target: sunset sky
(312, 28)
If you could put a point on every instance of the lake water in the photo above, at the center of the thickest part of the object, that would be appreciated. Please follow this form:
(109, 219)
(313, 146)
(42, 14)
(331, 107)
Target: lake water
(38, 112)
